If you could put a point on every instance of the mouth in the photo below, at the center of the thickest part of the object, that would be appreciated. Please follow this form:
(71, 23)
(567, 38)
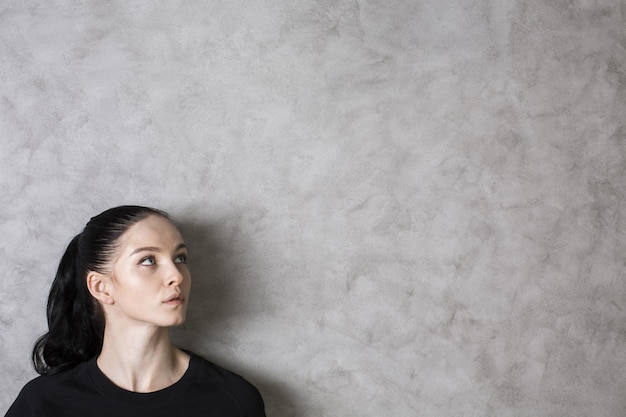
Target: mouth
(174, 299)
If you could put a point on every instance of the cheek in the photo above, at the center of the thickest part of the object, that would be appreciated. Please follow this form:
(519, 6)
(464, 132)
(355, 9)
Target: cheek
(132, 283)
(186, 279)
(133, 290)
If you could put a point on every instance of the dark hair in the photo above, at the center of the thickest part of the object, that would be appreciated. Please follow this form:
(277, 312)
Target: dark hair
(75, 318)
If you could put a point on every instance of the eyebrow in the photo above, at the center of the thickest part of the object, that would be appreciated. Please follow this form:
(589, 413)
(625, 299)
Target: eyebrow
(156, 249)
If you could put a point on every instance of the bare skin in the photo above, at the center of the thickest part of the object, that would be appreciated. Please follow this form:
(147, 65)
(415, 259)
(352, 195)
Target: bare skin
(142, 362)
(144, 293)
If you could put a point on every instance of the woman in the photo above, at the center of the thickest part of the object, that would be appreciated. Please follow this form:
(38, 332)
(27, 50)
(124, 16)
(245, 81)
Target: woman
(120, 285)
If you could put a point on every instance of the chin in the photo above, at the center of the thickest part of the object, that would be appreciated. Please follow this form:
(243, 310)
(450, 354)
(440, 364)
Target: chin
(177, 322)
(169, 321)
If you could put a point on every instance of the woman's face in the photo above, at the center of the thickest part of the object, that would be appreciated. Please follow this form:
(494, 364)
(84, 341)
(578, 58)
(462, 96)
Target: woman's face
(150, 281)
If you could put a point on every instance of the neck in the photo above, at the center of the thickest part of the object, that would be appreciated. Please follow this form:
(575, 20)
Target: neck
(141, 360)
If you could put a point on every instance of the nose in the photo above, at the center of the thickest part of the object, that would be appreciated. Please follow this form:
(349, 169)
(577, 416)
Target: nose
(174, 276)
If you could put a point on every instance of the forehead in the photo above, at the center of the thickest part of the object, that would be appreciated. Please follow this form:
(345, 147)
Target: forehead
(153, 231)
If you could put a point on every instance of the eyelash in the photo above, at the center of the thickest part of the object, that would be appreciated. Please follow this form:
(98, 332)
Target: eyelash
(182, 257)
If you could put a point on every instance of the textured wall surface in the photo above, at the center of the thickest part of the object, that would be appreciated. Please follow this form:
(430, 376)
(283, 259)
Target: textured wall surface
(394, 207)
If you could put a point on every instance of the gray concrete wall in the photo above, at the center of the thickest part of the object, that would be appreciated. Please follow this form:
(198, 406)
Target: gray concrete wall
(395, 208)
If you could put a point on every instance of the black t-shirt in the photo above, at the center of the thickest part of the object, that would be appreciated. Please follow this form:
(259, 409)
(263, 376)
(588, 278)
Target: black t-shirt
(204, 390)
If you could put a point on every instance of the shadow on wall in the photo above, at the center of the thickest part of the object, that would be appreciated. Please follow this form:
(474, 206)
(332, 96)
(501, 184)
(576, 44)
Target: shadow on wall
(217, 307)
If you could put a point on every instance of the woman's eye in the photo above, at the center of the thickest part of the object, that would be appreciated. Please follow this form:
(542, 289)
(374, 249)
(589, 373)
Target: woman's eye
(181, 259)
(149, 261)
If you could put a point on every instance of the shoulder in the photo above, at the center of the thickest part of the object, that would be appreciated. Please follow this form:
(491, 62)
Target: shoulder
(42, 392)
(235, 386)
(28, 401)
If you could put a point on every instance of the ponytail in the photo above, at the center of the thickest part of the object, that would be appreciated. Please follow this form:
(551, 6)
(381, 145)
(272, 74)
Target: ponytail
(75, 321)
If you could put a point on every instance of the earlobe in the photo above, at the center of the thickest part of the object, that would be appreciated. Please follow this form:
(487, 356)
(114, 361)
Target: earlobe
(98, 285)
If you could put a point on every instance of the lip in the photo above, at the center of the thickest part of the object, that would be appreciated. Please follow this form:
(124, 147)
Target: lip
(174, 299)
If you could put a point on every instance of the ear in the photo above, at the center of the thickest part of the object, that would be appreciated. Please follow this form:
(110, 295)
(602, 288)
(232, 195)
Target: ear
(100, 288)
